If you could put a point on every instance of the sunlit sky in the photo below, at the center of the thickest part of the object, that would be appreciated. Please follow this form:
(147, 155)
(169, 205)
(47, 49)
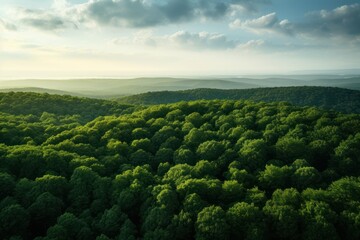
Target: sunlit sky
(80, 38)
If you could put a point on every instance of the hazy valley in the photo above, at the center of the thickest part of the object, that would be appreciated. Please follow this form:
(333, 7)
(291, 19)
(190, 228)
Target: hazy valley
(110, 88)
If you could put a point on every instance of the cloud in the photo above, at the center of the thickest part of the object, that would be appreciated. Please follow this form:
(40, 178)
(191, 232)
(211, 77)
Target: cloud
(267, 23)
(7, 25)
(142, 37)
(147, 13)
(252, 44)
(180, 39)
(43, 20)
(129, 13)
(202, 40)
(250, 5)
(60, 4)
(341, 22)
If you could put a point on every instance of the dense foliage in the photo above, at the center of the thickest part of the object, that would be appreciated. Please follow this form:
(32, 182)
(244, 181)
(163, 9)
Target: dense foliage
(339, 99)
(192, 170)
(34, 103)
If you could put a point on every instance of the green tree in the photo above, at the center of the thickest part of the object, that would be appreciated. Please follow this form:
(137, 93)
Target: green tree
(183, 225)
(140, 157)
(111, 221)
(344, 191)
(14, 220)
(163, 155)
(194, 118)
(306, 177)
(71, 226)
(44, 212)
(127, 231)
(204, 168)
(274, 177)
(210, 150)
(56, 185)
(195, 137)
(209, 189)
(350, 223)
(184, 155)
(319, 220)
(232, 191)
(211, 224)
(245, 219)
(7, 185)
(82, 185)
(193, 204)
(284, 220)
(347, 156)
(253, 154)
(288, 149)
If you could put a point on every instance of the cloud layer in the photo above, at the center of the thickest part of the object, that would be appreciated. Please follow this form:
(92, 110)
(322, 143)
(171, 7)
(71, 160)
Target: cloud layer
(7, 25)
(129, 13)
(202, 40)
(181, 39)
(340, 22)
(43, 20)
(146, 13)
(267, 23)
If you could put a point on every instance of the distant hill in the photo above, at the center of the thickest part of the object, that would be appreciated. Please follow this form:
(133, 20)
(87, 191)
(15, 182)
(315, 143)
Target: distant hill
(105, 88)
(343, 100)
(22, 103)
(355, 86)
(110, 88)
(39, 90)
(271, 82)
(337, 81)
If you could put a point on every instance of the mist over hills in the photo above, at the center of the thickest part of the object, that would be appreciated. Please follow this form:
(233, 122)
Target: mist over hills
(109, 88)
(38, 90)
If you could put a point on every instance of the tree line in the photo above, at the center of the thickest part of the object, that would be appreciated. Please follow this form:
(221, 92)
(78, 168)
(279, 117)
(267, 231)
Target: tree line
(330, 98)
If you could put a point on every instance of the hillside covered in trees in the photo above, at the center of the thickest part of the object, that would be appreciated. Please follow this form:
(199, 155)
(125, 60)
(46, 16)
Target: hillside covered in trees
(206, 169)
(23, 103)
(343, 100)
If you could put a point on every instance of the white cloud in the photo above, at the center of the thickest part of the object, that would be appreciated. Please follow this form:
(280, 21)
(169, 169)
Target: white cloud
(129, 13)
(342, 22)
(5, 25)
(252, 44)
(142, 37)
(181, 40)
(43, 20)
(201, 40)
(268, 23)
(60, 4)
(184, 40)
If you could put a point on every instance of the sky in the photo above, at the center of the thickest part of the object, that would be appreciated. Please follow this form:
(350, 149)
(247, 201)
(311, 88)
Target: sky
(115, 38)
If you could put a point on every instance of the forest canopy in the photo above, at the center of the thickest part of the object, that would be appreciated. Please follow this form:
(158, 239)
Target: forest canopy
(330, 98)
(77, 168)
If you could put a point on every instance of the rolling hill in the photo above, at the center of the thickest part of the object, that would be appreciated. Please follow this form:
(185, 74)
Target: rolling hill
(22, 103)
(39, 90)
(104, 88)
(343, 100)
(111, 88)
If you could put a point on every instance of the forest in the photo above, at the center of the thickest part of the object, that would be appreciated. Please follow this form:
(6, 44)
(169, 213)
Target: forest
(79, 168)
(331, 98)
